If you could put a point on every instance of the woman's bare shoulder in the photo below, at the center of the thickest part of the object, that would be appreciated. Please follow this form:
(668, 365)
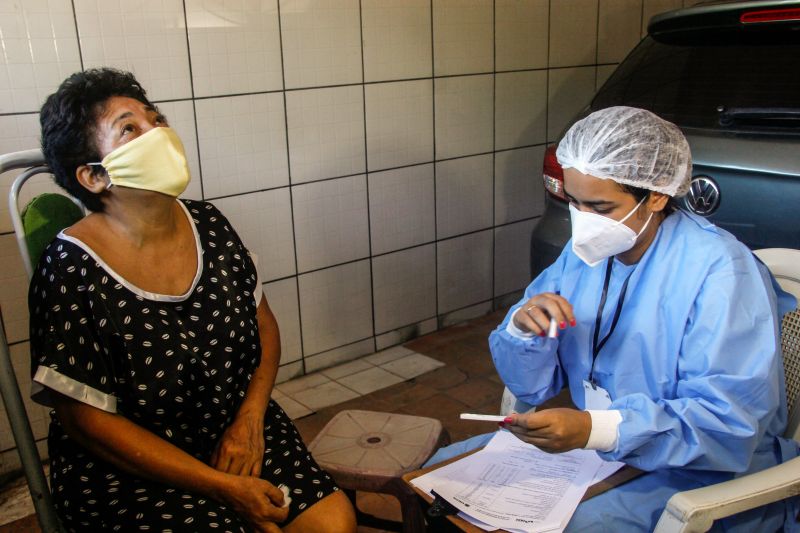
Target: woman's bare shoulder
(86, 227)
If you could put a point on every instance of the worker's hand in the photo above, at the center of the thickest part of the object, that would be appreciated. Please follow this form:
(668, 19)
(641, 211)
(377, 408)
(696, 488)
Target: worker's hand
(240, 450)
(534, 315)
(552, 430)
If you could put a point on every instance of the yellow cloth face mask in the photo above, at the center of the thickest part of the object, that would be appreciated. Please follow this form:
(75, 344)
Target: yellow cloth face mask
(154, 161)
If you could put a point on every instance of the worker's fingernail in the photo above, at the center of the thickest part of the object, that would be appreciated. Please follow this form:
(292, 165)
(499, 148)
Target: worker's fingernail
(563, 325)
(507, 420)
(541, 333)
(501, 424)
(573, 322)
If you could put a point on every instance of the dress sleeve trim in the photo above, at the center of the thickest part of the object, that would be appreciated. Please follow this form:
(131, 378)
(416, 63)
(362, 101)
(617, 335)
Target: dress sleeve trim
(52, 379)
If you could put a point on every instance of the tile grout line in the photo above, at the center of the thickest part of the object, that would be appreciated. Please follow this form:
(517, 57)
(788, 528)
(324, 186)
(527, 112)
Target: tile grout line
(194, 102)
(494, 149)
(291, 191)
(77, 33)
(366, 177)
(435, 209)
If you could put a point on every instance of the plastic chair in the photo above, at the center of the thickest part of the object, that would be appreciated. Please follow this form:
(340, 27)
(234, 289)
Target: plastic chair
(33, 232)
(696, 510)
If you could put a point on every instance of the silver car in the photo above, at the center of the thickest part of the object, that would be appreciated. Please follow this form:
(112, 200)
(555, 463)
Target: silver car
(728, 74)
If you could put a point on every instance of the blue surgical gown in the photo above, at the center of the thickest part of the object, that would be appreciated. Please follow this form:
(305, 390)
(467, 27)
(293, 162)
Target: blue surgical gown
(693, 366)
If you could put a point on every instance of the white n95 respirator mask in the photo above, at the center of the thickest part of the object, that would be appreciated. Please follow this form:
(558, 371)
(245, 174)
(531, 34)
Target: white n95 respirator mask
(154, 161)
(596, 238)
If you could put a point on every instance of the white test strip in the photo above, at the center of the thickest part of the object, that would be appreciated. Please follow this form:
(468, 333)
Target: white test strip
(286, 498)
(552, 331)
(485, 418)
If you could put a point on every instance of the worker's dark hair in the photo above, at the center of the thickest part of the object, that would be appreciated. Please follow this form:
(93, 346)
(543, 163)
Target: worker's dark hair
(639, 193)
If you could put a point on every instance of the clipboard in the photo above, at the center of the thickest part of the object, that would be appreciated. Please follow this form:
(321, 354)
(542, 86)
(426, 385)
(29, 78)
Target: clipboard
(623, 475)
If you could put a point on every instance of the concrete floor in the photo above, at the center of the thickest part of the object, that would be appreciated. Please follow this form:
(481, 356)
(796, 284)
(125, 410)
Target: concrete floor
(467, 382)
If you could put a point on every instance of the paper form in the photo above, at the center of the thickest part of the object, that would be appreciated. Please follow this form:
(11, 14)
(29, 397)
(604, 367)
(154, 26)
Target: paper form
(515, 486)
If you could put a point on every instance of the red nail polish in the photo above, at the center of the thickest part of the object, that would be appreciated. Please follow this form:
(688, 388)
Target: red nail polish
(573, 322)
(563, 325)
(501, 424)
(507, 420)
(541, 333)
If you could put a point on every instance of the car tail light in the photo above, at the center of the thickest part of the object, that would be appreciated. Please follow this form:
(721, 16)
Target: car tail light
(770, 15)
(553, 174)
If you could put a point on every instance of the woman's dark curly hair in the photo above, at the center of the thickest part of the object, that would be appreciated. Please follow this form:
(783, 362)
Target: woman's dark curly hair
(68, 118)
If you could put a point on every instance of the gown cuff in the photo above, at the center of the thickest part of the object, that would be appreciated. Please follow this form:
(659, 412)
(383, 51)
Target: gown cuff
(514, 331)
(604, 434)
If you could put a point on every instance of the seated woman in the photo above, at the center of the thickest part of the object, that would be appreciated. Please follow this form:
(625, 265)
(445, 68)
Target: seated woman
(668, 333)
(153, 342)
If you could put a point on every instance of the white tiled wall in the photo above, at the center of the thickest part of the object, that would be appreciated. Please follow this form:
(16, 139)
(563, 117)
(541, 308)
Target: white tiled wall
(326, 132)
(397, 39)
(520, 109)
(321, 42)
(401, 208)
(463, 32)
(399, 118)
(39, 50)
(242, 142)
(521, 34)
(331, 223)
(404, 287)
(464, 115)
(464, 270)
(147, 37)
(516, 196)
(380, 157)
(463, 195)
(234, 51)
(336, 306)
(568, 20)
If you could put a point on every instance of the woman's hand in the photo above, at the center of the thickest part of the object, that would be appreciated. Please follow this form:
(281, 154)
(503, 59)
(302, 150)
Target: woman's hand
(535, 314)
(258, 501)
(240, 451)
(552, 430)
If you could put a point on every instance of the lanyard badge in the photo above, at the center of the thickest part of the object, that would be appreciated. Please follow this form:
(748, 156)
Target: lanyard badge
(596, 397)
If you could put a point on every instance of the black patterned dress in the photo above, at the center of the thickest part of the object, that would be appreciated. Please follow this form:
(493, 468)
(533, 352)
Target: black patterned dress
(178, 366)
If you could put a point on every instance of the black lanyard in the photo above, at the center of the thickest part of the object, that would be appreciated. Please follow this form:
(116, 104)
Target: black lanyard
(595, 346)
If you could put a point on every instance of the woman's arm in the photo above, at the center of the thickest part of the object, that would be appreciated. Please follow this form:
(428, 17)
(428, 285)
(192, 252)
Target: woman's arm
(241, 448)
(131, 448)
(260, 388)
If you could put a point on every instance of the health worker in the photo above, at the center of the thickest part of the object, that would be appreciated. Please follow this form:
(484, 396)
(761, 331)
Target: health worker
(668, 333)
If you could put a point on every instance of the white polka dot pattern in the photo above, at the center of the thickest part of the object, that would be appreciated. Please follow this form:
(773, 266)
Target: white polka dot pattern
(177, 368)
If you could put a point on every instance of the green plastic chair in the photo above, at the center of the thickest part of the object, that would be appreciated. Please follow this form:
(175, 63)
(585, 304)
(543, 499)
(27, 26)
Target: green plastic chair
(34, 226)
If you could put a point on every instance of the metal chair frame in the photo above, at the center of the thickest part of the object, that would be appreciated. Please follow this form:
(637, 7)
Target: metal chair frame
(31, 162)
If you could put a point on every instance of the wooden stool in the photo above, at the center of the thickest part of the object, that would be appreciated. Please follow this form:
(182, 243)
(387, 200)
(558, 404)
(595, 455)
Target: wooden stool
(370, 451)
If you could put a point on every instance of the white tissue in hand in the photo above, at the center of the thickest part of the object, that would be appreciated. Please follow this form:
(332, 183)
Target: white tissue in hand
(286, 498)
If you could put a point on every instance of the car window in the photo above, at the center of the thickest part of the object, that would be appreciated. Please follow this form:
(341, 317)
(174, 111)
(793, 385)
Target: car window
(734, 87)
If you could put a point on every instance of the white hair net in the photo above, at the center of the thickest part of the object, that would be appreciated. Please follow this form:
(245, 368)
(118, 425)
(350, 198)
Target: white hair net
(630, 146)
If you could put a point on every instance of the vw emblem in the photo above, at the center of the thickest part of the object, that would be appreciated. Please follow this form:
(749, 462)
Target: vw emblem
(703, 197)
